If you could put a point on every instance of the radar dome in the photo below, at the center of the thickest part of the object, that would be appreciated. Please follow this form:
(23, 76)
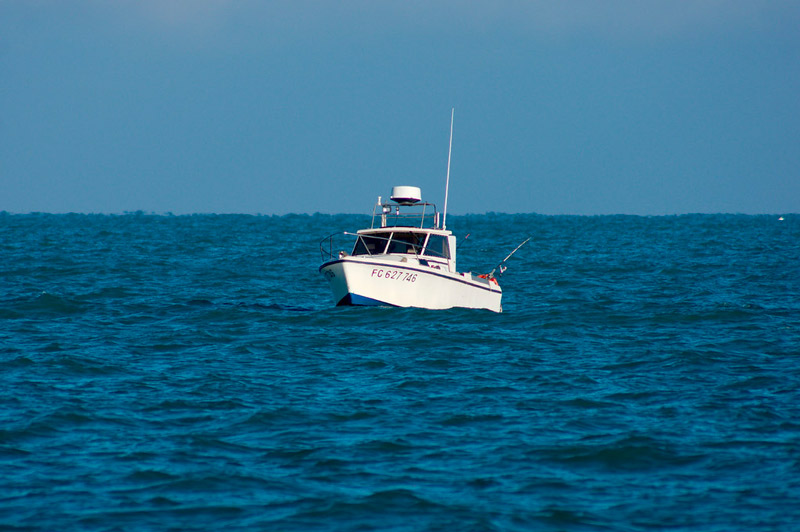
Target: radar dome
(406, 195)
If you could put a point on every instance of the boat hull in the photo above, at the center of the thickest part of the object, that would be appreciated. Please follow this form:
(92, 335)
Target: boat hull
(369, 281)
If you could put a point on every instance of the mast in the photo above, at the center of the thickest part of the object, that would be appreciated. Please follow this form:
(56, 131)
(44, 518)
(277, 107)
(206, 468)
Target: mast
(447, 181)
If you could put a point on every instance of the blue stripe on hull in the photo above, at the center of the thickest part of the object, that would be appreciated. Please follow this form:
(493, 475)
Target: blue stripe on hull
(361, 301)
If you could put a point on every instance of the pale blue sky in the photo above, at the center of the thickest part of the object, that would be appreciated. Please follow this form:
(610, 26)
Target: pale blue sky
(569, 107)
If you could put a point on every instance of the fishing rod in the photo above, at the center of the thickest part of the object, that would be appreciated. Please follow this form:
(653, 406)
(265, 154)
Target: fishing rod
(503, 268)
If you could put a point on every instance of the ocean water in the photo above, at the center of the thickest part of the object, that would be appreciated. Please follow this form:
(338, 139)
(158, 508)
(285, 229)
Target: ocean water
(192, 373)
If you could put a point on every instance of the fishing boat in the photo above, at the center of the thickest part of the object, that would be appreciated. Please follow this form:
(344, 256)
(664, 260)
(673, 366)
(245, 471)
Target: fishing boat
(406, 258)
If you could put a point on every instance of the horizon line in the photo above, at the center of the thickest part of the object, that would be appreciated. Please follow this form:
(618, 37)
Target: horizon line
(167, 214)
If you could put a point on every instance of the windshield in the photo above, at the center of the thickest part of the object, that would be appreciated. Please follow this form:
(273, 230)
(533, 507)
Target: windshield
(398, 242)
(437, 247)
(371, 244)
(407, 243)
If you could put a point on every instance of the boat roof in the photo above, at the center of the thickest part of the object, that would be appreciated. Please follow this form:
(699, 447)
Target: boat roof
(404, 229)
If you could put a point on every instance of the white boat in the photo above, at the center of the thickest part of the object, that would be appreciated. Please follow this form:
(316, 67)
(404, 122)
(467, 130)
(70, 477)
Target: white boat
(405, 259)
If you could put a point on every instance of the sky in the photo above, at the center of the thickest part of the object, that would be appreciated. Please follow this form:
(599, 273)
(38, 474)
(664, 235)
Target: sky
(303, 106)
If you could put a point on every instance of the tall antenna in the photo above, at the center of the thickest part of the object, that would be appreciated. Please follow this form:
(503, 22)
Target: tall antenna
(447, 182)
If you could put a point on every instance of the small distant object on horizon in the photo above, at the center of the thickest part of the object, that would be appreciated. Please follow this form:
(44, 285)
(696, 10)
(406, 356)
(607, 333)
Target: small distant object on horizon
(780, 219)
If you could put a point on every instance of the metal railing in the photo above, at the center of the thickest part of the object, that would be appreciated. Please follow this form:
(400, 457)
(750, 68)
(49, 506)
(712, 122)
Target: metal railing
(401, 215)
(326, 245)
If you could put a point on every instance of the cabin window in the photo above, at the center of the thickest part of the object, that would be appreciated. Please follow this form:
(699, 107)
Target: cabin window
(437, 247)
(371, 244)
(407, 243)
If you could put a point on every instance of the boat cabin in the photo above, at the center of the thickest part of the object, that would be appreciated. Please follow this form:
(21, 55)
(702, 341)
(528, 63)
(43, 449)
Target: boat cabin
(402, 231)
(434, 248)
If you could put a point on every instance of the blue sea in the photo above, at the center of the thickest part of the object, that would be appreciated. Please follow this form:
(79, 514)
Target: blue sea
(191, 373)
